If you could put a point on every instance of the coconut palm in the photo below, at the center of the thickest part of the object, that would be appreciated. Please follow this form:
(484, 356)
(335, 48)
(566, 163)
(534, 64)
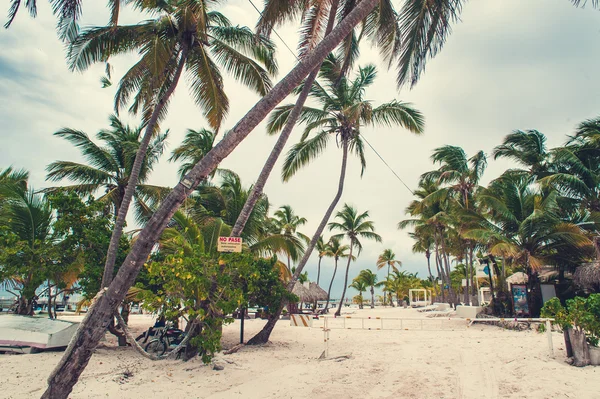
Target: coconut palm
(575, 169)
(184, 35)
(423, 244)
(286, 222)
(323, 249)
(387, 257)
(75, 359)
(318, 18)
(370, 280)
(343, 112)
(459, 177)
(359, 285)
(354, 226)
(28, 218)
(14, 178)
(12, 182)
(432, 218)
(528, 148)
(195, 145)
(109, 165)
(522, 223)
(338, 251)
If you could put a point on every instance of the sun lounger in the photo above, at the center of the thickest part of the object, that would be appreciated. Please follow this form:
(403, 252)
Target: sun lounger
(428, 308)
(441, 313)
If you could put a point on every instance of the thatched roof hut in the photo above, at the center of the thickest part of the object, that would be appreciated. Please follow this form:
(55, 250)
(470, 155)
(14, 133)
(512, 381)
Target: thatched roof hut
(318, 293)
(517, 278)
(588, 276)
(309, 292)
(301, 292)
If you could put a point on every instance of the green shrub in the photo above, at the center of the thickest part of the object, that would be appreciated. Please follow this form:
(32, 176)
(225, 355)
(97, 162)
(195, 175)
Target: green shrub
(580, 313)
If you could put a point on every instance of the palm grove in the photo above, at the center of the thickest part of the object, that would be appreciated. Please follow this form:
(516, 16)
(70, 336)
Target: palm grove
(192, 37)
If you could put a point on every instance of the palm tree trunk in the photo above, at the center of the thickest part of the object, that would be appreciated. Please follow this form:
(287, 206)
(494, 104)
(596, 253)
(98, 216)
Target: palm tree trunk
(91, 329)
(372, 298)
(384, 292)
(113, 247)
(467, 278)
(338, 312)
(330, 285)
(258, 187)
(264, 334)
(319, 270)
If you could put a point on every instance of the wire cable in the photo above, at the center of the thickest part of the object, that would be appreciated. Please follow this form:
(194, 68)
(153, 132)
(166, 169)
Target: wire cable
(297, 59)
(389, 167)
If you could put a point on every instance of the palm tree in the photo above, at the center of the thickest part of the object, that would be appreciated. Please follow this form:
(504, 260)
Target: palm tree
(460, 177)
(195, 146)
(528, 148)
(370, 280)
(338, 251)
(343, 112)
(387, 257)
(61, 381)
(183, 35)
(14, 177)
(12, 181)
(359, 285)
(432, 218)
(324, 249)
(28, 217)
(109, 166)
(522, 223)
(382, 27)
(286, 222)
(353, 226)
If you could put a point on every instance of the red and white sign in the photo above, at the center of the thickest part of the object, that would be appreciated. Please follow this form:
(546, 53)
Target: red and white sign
(229, 244)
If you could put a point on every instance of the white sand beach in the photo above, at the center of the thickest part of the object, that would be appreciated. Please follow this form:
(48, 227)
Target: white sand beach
(475, 362)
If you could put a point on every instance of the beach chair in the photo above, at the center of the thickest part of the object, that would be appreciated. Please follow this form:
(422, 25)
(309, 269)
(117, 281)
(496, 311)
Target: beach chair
(428, 308)
(441, 313)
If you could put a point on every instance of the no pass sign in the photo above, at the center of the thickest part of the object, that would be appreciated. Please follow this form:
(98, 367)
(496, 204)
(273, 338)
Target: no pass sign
(229, 244)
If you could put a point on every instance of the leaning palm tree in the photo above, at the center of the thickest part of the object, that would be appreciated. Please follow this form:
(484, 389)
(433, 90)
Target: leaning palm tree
(338, 251)
(343, 112)
(323, 249)
(318, 18)
(387, 257)
(184, 35)
(370, 280)
(108, 166)
(63, 378)
(354, 226)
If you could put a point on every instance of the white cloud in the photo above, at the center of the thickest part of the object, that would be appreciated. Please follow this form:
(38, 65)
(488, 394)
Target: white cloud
(508, 65)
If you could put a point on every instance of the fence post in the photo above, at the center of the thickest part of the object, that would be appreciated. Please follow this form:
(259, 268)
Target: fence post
(549, 334)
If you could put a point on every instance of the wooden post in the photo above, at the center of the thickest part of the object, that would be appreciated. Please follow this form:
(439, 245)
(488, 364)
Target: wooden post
(242, 314)
(549, 335)
(326, 338)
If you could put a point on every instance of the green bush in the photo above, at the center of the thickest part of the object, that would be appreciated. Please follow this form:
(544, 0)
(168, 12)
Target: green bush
(580, 313)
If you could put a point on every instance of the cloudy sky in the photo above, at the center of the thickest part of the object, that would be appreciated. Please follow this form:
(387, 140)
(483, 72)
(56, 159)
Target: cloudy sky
(508, 65)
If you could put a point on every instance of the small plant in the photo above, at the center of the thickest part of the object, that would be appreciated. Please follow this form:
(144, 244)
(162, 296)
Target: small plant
(582, 314)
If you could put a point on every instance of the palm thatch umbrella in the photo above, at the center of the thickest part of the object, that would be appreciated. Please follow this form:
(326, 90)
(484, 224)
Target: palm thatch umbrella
(301, 292)
(317, 293)
(588, 276)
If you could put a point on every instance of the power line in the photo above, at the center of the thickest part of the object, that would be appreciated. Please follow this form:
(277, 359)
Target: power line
(276, 34)
(296, 57)
(389, 167)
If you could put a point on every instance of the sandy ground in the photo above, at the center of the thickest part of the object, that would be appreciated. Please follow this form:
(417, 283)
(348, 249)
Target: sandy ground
(446, 360)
